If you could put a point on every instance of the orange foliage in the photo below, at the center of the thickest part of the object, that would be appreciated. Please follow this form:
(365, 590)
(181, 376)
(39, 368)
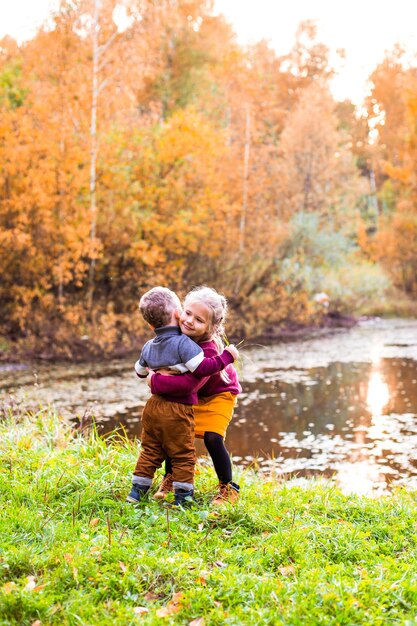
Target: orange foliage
(201, 154)
(397, 236)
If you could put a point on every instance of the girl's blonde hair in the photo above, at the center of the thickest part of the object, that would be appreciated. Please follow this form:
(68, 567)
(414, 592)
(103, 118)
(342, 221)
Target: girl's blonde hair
(216, 303)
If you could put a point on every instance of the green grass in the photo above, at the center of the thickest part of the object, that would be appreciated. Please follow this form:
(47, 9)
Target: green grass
(4, 345)
(72, 551)
(395, 304)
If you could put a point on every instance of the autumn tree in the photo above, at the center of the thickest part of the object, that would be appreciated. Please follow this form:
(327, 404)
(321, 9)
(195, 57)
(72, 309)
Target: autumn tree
(140, 144)
(192, 42)
(396, 242)
(316, 166)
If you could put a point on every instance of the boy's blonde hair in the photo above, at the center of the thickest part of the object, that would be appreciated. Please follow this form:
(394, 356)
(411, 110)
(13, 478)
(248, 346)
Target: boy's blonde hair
(157, 306)
(216, 303)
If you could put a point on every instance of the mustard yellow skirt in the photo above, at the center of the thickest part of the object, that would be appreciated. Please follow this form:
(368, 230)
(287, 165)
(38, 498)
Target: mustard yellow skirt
(213, 414)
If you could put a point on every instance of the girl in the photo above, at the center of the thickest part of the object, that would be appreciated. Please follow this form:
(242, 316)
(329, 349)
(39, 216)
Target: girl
(203, 320)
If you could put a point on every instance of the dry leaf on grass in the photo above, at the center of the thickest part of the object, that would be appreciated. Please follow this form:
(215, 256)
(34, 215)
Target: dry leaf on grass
(31, 584)
(150, 596)
(140, 610)
(9, 587)
(173, 606)
(288, 570)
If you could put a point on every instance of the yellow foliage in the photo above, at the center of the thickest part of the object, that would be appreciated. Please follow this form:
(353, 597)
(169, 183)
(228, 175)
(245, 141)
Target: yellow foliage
(204, 151)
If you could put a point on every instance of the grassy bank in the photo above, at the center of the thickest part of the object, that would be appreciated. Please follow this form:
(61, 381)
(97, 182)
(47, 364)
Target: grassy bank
(395, 304)
(72, 552)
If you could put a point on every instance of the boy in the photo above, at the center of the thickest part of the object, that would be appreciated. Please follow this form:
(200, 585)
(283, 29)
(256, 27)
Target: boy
(168, 422)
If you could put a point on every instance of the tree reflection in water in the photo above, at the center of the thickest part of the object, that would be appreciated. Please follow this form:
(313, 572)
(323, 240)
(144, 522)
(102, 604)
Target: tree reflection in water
(340, 406)
(349, 421)
(361, 474)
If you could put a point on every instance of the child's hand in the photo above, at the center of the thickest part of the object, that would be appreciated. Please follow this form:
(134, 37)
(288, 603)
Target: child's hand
(167, 372)
(149, 378)
(233, 351)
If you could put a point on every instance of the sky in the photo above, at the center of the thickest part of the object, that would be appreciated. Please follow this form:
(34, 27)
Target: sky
(364, 28)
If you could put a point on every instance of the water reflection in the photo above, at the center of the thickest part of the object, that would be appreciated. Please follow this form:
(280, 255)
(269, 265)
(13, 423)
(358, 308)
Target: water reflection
(345, 421)
(342, 407)
(361, 477)
(378, 394)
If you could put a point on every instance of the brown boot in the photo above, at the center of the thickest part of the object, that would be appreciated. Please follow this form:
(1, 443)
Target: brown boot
(164, 488)
(228, 492)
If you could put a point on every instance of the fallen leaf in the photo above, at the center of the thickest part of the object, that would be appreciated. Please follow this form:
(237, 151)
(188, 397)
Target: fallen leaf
(94, 522)
(150, 596)
(165, 611)
(220, 564)
(68, 558)
(173, 606)
(140, 610)
(177, 597)
(31, 584)
(288, 570)
(122, 566)
(9, 587)
(36, 623)
(200, 621)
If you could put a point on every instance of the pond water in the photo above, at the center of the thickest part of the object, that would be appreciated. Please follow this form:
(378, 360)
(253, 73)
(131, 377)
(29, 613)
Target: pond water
(341, 406)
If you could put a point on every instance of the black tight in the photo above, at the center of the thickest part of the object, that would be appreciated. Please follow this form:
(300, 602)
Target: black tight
(219, 455)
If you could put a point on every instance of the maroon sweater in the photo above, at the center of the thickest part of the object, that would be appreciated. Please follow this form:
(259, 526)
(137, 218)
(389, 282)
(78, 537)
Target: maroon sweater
(178, 387)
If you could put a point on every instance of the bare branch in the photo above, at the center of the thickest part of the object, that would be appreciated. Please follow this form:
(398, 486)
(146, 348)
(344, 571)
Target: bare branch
(104, 47)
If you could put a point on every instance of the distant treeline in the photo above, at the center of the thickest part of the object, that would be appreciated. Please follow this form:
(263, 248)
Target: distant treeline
(144, 146)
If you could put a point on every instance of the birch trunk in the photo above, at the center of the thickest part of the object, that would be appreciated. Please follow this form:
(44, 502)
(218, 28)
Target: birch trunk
(93, 151)
(373, 194)
(242, 227)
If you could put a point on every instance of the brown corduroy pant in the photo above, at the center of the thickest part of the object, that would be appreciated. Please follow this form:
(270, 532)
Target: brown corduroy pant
(167, 430)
